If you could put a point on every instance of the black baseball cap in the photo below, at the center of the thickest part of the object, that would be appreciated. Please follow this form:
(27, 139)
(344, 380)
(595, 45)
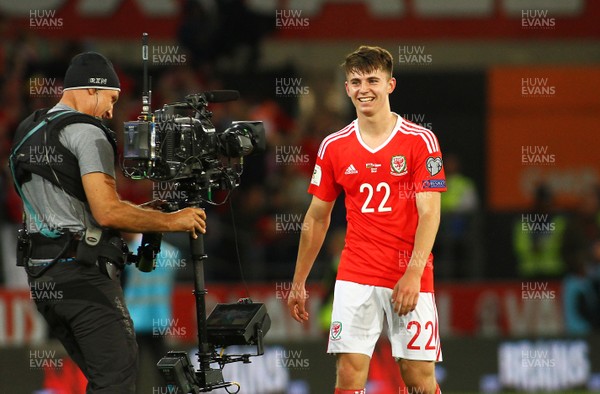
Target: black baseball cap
(91, 70)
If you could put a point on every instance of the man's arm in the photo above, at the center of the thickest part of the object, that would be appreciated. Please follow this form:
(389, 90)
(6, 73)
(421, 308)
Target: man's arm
(406, 291)
(110, 211)
(314, 229)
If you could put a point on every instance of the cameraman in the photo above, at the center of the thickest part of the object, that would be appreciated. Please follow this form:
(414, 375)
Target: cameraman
(81, 297)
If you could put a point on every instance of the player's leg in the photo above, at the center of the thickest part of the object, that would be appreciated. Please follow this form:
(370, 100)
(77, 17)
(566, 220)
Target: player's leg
(418, 376)
(351, 371)
(356, 323)
(416, 344)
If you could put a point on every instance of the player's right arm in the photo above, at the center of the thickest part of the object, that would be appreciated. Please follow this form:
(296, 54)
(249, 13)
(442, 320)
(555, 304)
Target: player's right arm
(314, 229)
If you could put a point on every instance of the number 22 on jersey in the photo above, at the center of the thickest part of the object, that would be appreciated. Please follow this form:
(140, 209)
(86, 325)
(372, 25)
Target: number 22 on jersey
(380, 188)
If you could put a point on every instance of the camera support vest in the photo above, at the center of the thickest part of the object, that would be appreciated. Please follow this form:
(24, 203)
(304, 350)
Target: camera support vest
(37, 150)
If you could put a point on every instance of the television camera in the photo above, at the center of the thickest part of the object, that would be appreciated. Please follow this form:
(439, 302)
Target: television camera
(179, 142)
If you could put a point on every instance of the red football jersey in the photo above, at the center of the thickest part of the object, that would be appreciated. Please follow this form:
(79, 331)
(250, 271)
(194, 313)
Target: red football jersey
(380, 186)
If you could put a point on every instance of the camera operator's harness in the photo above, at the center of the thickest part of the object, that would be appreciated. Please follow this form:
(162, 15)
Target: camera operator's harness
(41, 129)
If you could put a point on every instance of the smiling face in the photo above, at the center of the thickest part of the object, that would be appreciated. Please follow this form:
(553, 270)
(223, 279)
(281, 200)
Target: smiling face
(369, 91)
(369, 79)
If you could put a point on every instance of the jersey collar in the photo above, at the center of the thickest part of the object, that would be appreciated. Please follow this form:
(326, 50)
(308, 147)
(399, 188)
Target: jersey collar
(399, 121)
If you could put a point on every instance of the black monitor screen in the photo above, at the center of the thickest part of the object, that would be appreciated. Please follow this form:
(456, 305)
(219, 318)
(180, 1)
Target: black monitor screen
(232, 316)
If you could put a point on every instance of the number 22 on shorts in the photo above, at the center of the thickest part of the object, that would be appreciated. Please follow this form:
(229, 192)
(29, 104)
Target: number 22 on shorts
(429, 330)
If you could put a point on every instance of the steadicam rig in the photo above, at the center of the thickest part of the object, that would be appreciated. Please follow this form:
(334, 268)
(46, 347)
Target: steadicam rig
(180, 143)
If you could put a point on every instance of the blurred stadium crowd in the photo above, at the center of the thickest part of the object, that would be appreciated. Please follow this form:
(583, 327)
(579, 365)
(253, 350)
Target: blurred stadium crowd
(266, 211)
(272, 197)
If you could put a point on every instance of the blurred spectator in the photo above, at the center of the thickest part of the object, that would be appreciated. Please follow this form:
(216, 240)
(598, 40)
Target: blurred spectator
(581, 252)
(581, 304)
(538, 238)
(458, 237)
(249, 208)
(583, 231)
(198, 29)
(212, 30)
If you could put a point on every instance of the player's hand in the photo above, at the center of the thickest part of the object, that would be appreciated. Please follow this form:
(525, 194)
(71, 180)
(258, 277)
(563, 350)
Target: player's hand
(406, 293)
(297, 302)
(192, 220)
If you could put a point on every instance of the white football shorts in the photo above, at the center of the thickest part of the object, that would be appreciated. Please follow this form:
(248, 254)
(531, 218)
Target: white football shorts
(357, 323)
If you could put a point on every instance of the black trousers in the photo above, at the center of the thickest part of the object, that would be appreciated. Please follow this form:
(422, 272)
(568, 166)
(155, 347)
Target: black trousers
(86, 311)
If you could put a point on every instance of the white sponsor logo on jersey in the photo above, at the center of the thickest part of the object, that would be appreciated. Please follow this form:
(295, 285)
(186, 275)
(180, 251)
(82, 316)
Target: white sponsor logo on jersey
(351, 170)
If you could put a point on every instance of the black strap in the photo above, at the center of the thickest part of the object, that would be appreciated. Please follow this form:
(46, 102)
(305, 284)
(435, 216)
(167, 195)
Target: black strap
(43, 245)
(49, 248)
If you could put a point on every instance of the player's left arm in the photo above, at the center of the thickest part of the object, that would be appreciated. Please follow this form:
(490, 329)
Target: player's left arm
(406, 291)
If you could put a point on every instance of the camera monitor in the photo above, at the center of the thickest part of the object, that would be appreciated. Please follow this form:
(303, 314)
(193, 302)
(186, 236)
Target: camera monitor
(237, 324)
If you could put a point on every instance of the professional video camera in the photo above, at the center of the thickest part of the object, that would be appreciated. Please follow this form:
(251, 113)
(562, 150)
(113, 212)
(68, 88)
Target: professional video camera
(180, 143)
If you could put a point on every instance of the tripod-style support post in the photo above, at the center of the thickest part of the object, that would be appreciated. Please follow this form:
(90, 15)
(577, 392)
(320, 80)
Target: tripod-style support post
(206, 376)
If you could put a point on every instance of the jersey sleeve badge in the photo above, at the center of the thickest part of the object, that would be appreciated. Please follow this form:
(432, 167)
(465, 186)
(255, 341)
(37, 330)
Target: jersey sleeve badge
(316, 176)
(434, 165)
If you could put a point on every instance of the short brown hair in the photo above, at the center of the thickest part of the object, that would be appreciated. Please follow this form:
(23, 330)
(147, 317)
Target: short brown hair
(367, 59)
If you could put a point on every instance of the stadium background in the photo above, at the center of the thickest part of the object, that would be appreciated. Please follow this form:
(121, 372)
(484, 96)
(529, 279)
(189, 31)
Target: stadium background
(510, 87)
